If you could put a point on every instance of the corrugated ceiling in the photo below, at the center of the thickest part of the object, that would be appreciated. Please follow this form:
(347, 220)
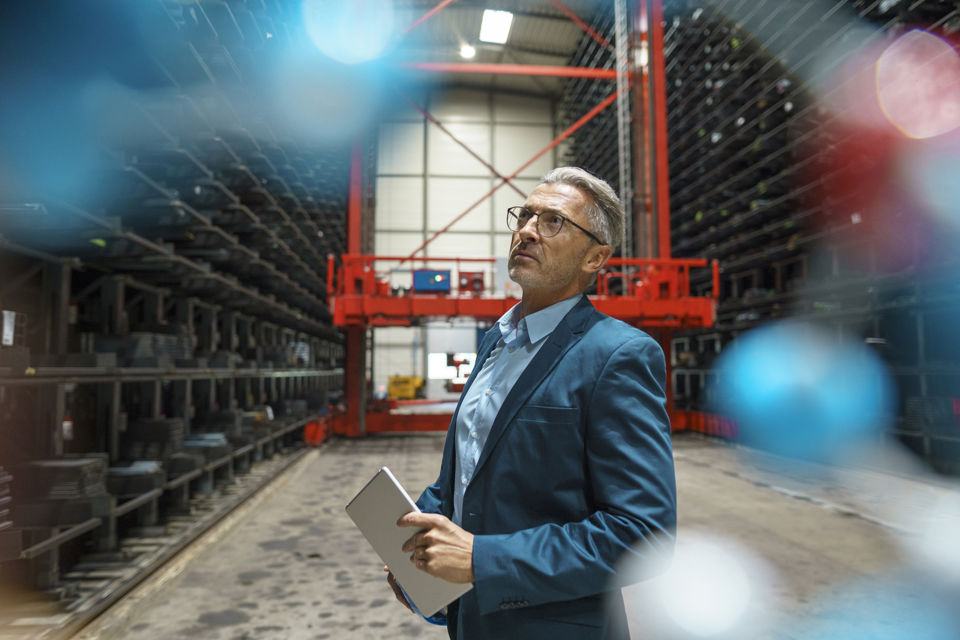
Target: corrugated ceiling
(541, 35)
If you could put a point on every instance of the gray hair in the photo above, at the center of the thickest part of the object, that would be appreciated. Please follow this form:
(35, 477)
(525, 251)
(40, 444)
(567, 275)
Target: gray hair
(605, 213)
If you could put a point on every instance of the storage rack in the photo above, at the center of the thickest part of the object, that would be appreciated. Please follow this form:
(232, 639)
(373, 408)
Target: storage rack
(744, 135)
(594, 146)
(190, 282)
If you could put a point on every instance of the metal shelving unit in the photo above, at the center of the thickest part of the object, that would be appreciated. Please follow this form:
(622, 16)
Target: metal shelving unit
(746, 165)
(188, 282)
(594, 146)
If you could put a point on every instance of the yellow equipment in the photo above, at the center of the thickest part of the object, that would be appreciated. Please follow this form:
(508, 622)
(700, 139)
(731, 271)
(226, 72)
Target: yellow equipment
(404, 387)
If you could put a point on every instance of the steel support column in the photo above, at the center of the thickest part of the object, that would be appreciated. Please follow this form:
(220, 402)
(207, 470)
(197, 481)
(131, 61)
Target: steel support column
(56, 287)
(642, 142)
(659, 82)
(355, 374)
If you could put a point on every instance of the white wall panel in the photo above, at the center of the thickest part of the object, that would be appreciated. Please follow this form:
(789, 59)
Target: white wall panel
(514, 145)
(461, 245)
(446, 157)
(397, 336)
(400, 109)
(449, 197)
(452, 181)
(508, 108)
(448, 339)
(396, 243)
(460, 105)
(400, 203)
(506, 197)
(401, 148)
(395, 360)
(501, 244)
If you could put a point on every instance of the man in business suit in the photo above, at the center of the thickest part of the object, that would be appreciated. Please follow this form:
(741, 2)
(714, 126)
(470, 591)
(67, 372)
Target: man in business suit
(557, 466)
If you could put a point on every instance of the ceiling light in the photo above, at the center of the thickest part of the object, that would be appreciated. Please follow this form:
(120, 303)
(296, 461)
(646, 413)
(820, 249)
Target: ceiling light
(495, 26)
(466, 51)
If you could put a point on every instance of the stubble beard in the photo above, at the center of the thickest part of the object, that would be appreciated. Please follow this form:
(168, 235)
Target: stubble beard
(538, 278)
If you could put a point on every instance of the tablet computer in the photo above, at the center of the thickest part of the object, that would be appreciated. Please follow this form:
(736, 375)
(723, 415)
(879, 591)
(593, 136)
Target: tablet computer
(375, 511)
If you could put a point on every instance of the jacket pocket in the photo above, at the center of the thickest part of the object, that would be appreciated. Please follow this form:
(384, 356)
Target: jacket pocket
(549, 414)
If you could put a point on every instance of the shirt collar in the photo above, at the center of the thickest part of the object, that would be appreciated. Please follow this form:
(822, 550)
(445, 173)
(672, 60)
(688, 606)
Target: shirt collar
(539, 324)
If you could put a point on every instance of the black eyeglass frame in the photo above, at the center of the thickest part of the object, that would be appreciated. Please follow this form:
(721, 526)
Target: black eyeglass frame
(511, 212)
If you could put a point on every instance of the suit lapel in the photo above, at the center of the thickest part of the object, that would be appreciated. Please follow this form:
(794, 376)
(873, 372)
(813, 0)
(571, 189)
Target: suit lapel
(568, 333)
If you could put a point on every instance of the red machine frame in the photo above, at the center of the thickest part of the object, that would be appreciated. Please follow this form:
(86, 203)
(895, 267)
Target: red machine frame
(655, 292)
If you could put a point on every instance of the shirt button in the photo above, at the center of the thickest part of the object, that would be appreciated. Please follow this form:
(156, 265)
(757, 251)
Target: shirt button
(489, 391)
(463, 480)
(473, 434)
(512, 349)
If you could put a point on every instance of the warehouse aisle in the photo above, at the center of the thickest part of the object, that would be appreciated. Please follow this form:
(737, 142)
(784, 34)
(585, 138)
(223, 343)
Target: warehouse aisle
(293, 566)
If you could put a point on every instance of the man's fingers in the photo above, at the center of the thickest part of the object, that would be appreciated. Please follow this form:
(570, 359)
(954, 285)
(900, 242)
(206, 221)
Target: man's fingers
(422, 520)
(413, 542)
(396, 590)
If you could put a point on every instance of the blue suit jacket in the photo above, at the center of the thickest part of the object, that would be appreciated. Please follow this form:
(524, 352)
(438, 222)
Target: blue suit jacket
(577, 474)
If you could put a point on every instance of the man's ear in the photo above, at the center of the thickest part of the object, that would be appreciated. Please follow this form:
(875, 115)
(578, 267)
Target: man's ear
(596, 258)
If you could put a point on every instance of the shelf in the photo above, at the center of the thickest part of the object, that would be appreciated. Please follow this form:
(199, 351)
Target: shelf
(86, 375)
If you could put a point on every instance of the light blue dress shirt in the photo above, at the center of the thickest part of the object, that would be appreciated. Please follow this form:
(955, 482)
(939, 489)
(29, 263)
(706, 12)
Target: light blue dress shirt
(520, 340)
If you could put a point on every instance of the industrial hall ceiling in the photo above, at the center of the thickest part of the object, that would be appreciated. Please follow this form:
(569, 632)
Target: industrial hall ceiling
(542, 33)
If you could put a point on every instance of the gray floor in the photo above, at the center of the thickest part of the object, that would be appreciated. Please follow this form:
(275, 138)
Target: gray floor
(292, 566)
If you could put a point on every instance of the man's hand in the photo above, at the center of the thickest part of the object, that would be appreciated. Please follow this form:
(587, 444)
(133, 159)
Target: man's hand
(441, 549)
(396, 589)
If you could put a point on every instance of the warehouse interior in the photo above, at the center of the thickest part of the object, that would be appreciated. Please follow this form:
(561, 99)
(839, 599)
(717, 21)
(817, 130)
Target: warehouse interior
(249, 249)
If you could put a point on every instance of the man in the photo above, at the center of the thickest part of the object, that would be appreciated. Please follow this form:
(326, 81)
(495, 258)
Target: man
(557, 465)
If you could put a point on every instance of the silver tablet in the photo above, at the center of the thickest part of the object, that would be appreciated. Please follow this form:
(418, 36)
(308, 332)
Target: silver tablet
(375, 511)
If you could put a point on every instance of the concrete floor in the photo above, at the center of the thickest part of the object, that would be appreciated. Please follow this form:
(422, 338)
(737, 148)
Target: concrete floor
(291, 565)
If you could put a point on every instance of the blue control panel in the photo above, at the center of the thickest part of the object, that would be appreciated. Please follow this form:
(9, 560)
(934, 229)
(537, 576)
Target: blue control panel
(431, 280)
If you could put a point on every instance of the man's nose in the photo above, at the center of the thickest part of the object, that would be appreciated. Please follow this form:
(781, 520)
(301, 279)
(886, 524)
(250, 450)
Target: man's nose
(529, 232)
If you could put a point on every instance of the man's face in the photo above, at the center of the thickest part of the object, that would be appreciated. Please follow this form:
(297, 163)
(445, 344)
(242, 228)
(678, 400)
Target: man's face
(552, 266)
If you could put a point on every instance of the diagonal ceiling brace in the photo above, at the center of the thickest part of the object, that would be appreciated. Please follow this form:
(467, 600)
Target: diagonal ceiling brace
(580, 23)
(429, 14)
(563, 136)
(426, 114)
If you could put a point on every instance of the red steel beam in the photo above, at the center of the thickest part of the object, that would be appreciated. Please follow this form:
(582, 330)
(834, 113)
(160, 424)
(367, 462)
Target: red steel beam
(426, 114)
(513, 69)
(563, 136)
(658, 74)
(355, 201)
(580, 23)
(429, 14)
(354, 376)
(643, 135)
(710, 424)
(380, 422)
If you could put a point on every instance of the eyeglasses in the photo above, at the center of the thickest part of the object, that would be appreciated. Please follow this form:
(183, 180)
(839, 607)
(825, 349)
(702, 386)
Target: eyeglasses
(549, 223)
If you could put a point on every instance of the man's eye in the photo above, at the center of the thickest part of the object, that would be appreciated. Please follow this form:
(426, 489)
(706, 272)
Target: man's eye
(552, 219)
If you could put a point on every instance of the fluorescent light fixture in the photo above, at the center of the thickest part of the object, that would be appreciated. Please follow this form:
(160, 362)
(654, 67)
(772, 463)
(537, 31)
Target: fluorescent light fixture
(495, 26)
(468, 52)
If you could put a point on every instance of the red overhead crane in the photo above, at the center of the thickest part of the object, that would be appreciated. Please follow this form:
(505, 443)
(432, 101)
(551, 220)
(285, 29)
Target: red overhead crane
(654, 293)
